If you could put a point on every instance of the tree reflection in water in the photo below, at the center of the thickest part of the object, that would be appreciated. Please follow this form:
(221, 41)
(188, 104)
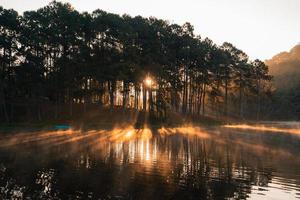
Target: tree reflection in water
(168, 163)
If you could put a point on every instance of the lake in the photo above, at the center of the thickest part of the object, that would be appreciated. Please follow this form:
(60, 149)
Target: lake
(225, 162)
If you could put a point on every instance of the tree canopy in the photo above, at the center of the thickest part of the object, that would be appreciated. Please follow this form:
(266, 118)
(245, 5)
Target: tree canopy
(58, 56)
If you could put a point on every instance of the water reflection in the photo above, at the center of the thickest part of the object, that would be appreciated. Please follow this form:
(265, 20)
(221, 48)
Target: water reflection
(168, 163)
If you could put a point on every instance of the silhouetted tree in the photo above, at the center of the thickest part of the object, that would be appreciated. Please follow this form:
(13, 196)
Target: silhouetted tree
(56, 56)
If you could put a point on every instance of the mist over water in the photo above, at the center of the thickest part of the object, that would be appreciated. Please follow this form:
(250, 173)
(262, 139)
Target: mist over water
(259, 161)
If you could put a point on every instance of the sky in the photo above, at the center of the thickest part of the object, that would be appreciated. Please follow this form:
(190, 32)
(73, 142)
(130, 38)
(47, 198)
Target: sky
(261, 28)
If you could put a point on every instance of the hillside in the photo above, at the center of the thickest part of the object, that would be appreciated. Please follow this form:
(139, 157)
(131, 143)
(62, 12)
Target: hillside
(285, 67)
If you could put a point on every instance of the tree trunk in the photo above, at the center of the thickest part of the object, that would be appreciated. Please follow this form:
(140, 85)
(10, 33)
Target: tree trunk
(258, 100)
(199, 99)
(111, 86)
(240, 102)
(203, 101)
(185, 92)
(4, 108)
(150, 100)
(226, 97)
(125, 94)
(144, 98)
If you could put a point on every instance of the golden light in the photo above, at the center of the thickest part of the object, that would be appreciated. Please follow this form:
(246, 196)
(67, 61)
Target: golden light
(129, 134)
(264, 128)
(148, 81)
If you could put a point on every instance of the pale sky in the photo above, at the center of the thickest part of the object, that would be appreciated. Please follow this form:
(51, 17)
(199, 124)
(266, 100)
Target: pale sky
(261, 28)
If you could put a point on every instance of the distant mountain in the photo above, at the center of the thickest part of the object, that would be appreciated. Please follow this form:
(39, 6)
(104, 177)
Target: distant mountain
(285, 67)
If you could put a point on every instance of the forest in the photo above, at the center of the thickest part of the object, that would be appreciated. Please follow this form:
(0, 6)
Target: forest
(57, 61)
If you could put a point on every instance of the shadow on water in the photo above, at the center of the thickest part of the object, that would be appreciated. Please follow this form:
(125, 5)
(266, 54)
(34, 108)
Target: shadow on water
(184, 162)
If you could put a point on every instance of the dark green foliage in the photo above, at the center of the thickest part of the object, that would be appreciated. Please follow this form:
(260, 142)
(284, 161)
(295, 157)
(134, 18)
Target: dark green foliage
(57, 57)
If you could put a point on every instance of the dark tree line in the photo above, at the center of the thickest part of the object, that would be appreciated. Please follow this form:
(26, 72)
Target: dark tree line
(57, 57)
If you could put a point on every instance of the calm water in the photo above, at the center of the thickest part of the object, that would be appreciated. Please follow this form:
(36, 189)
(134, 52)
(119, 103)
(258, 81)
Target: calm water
(169, 163)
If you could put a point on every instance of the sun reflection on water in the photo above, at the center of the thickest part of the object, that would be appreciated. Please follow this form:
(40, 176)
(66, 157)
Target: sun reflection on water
(179, 157)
